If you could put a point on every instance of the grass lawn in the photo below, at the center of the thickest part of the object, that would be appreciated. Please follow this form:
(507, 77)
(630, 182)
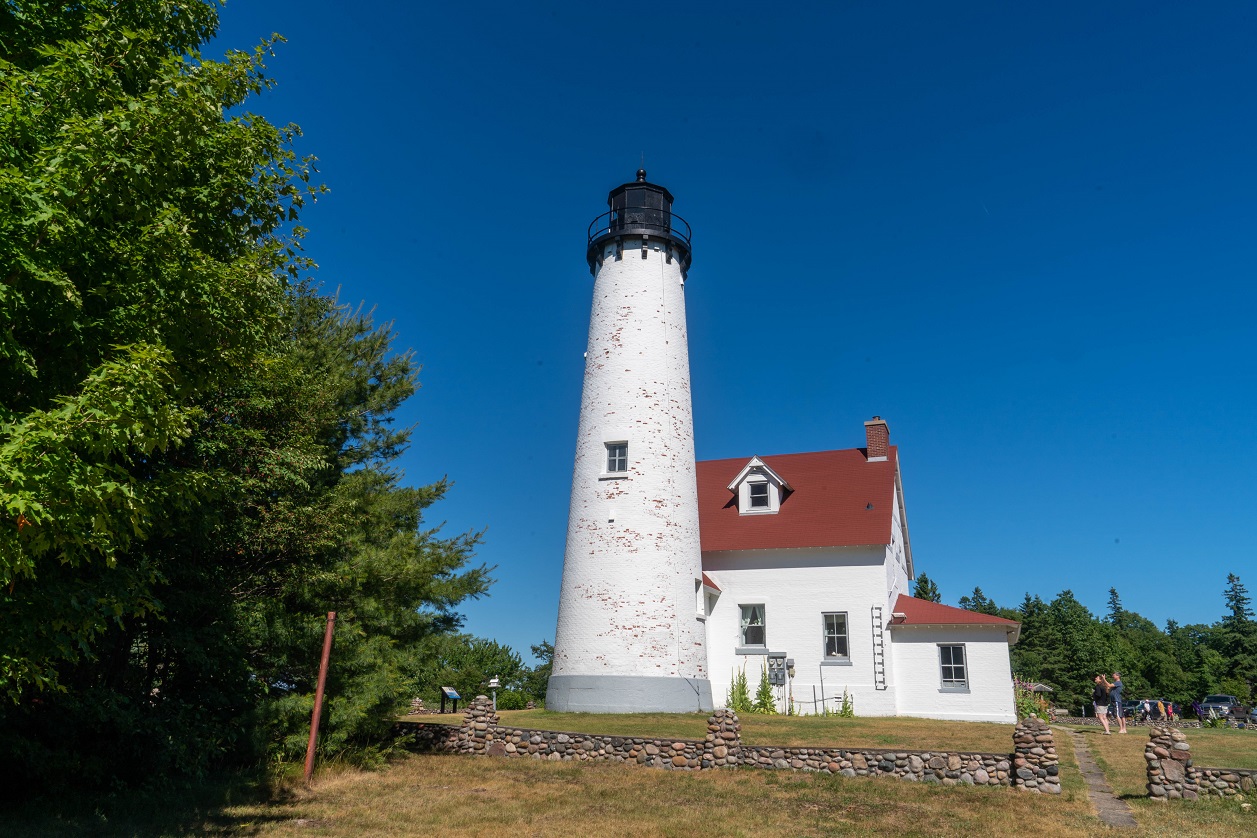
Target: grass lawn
(425, 795)
(1122, 759)
(786, 731)
(463, 796)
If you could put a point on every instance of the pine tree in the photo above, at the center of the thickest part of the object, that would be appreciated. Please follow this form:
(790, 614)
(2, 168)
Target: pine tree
(1115, 606)
(979, 602)
(924, 588)
(1237, 639)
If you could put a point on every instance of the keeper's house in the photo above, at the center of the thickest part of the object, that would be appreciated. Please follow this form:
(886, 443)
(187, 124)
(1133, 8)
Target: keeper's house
(806, 569)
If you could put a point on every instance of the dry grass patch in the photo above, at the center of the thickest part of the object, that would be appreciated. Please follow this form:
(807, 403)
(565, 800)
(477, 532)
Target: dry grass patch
(425, 795)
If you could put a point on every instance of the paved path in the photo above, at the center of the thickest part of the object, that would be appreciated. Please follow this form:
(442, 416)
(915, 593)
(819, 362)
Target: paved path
(1112, 810)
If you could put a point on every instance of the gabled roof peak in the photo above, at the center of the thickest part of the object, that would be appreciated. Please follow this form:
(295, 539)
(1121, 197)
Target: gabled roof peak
(757, 466)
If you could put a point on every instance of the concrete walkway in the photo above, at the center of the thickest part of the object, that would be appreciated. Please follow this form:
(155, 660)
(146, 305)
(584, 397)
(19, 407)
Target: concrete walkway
(1111, 810)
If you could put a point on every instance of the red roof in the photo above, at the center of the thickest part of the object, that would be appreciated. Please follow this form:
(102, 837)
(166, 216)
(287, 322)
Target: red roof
(922, 612)
(840, 499)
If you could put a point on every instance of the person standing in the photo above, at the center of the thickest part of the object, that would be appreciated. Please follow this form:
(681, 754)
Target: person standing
(1115, 695)
(1100, 700)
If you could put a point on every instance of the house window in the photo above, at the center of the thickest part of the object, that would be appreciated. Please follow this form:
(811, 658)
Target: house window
(617, 457)
(759, 495)
(753, 625)
(836, 646)
(952, 665)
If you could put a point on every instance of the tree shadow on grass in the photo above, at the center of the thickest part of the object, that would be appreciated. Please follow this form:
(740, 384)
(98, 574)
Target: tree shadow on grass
(233, 805)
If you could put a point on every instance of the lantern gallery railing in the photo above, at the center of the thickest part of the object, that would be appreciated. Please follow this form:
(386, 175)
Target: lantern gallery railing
(649, 220)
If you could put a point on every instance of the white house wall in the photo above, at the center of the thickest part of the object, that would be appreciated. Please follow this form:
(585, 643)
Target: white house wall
(796, 587)
(918, 687)
(896, 557)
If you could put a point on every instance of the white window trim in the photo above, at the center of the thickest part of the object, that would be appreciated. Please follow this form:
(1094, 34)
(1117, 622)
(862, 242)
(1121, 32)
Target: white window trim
(744, 648)
(744, 496)
(827, 658)
(944, 685)
(607, 474)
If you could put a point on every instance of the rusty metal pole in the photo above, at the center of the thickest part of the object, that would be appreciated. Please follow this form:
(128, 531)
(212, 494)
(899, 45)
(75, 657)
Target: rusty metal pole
(318, 695)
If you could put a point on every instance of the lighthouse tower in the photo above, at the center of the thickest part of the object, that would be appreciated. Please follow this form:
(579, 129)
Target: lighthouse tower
(631, 636)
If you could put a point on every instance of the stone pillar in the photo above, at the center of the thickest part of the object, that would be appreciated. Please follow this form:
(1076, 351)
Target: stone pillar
(723, 746)
(1035, 766)
(1170, 772)
(479, 720)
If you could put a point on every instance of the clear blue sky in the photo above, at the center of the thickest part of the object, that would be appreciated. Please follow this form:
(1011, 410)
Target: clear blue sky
(1024, 234)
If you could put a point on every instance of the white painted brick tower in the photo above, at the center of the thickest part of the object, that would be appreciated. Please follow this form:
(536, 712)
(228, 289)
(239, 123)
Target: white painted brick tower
(629, 636)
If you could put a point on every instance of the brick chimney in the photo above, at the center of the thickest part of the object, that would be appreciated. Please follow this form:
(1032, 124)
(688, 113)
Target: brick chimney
(877, 439)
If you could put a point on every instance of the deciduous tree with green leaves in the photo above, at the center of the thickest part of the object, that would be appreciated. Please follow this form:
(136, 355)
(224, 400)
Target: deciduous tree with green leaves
(144, 244)
(195, 449)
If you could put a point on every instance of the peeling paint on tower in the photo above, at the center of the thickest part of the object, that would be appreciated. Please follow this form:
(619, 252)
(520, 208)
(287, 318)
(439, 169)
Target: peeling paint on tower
(629, 637)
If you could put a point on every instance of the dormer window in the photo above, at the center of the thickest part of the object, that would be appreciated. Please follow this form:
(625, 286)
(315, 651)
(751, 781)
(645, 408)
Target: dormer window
(759, 490)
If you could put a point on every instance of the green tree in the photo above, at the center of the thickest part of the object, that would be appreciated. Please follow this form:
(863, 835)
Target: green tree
(979, 602)
(302, 517)
(466, 663)
(1236, 637)
(145, 241)
(195, 450)
(1115, 606)
(538, 679)
(1065, 646)
(924, 588)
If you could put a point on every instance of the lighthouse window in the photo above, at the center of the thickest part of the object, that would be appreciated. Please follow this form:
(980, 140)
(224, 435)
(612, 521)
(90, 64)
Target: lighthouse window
(759, 495)
(753, 625)
(617, 457)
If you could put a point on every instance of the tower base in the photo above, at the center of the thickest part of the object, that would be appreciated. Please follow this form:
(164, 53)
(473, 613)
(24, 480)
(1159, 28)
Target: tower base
(628, 694)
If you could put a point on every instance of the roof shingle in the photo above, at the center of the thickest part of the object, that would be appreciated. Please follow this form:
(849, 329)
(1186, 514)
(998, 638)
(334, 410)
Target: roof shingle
(922, 612)
(840, 499)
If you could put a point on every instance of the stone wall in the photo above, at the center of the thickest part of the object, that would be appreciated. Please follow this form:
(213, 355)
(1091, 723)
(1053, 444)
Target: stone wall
(1035, 766)
(946, 767)
(427, 737)
(1226, 782)
(1171, 775)
(1094, 722)
(1032, 766)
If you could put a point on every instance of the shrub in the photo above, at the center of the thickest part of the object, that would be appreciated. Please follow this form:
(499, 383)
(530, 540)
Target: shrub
(739, 692)
(765, 702)
(847, 710)
(1028, 703)
(511, 700)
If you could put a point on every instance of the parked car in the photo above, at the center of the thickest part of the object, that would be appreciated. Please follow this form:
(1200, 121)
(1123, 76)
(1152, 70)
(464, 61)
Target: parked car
(1129, 709)
(1218, 705)
(1252, 715)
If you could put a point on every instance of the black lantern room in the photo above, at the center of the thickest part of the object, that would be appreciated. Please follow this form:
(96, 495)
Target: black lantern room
(639, 211)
